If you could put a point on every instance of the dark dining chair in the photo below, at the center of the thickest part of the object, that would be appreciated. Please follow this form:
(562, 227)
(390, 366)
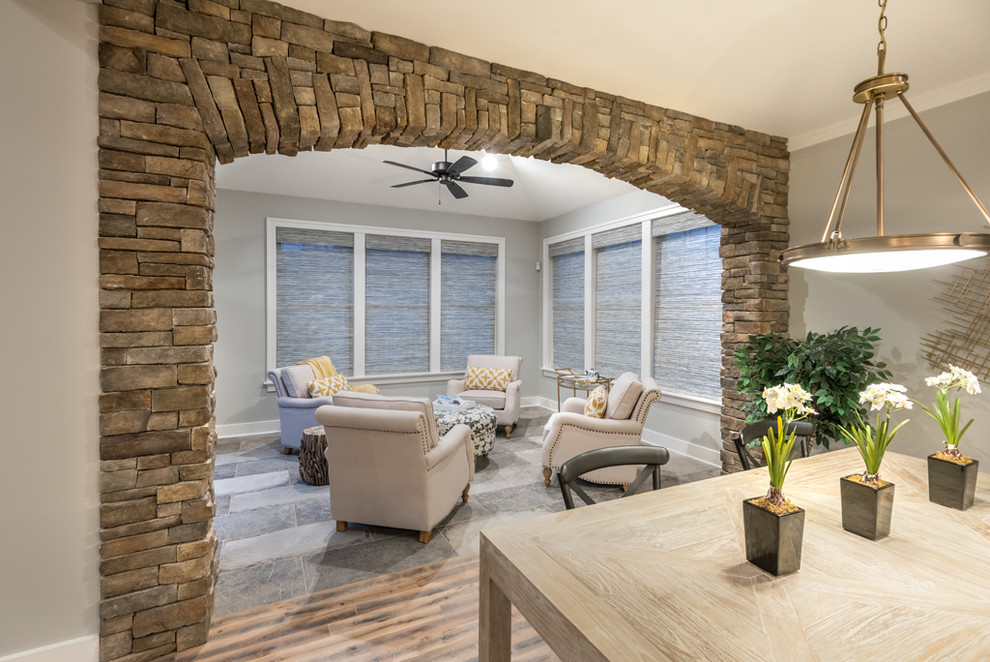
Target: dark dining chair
(803, 429)
(650, 456)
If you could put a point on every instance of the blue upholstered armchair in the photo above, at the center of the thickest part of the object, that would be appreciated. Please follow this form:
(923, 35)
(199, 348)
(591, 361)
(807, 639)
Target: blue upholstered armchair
(296, 410)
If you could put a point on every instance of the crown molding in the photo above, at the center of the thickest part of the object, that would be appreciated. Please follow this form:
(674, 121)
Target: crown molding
(922, 102)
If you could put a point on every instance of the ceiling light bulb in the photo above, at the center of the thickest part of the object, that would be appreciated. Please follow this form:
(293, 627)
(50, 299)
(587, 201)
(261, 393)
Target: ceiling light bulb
(489, 162)
(880, 262)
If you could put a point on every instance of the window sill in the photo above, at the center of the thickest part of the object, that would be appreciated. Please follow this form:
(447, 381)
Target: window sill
(377, 380)
(684, 400)
(411, 378)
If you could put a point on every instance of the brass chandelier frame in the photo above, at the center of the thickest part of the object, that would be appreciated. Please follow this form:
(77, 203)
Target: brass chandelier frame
(861, 255)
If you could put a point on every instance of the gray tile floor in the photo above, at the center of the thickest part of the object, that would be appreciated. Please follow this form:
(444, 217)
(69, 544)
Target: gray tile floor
(278, 540)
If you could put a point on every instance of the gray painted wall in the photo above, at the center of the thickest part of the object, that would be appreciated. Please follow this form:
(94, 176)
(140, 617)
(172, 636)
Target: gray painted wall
(921, 196)
(239, 284)
(49, 499)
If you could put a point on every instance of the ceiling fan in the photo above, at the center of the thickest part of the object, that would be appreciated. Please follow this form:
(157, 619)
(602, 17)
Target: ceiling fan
(449, 174)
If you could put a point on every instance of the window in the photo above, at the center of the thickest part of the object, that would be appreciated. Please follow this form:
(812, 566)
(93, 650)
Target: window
(468, 301)
(567, 275)
(618, 299)
(397, 308)
(687, 322)
(316, 271)
(381, 301)
(653, 306)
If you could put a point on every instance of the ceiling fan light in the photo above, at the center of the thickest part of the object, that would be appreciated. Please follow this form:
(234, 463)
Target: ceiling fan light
(489, 162)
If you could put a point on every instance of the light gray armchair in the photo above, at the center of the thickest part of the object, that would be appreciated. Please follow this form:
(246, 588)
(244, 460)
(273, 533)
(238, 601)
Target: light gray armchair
(505, 403)
(389, 467)
(296, 410)
(570, 432)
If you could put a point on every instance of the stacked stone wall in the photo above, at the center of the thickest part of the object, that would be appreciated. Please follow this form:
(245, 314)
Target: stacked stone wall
(184, 84)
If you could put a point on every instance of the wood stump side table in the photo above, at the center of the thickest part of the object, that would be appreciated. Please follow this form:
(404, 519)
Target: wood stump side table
(312, 460)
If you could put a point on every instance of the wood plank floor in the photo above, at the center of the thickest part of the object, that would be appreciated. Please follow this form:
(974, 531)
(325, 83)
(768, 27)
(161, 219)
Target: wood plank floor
(426, 613)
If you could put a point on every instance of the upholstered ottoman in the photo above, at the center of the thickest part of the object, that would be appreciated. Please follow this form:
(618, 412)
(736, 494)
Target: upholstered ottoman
(480, 418)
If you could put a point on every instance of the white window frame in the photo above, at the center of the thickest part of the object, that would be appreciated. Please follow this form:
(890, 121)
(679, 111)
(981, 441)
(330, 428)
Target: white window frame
(645, 219)
(360, 232)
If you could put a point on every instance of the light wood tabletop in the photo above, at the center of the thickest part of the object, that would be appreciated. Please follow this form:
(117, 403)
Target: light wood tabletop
(663, 575)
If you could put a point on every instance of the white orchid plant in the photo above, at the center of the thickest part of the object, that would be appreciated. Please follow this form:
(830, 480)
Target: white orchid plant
(948, 415)
(789, 400)
(872, 441)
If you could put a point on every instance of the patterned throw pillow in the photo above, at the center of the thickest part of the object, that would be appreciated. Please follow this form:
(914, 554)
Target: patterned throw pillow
(594, 406)
(487, 379)
(324, 388)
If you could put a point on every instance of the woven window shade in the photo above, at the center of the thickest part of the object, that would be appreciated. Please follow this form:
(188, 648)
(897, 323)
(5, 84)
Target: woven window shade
(467, 301)
(567, 299)
(687, 349)
(623, 235)
(397, 305)
(567, 247)
(679, 223)
(469, 248)
(618, 300)
(314, 299)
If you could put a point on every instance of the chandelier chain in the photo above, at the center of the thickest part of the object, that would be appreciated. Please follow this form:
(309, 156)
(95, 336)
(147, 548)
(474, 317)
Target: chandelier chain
(882, 45)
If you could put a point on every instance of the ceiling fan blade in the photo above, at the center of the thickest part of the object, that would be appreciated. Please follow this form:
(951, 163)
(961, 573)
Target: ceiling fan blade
(461, 165)
(490, 181)
(455, 190)
(418, 181)
(409, 167)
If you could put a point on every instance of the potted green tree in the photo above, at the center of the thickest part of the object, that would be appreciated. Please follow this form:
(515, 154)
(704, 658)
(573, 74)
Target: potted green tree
(834, 367)
(773, 526)
(868, 500)
(951, 475)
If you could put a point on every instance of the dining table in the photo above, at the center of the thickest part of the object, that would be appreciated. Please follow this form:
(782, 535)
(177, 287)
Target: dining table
(663, 575)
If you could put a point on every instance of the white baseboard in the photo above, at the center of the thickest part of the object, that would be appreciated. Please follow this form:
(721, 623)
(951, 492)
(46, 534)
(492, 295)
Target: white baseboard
(538, 401)
(246, 430)
(83, 649)
(682, 446)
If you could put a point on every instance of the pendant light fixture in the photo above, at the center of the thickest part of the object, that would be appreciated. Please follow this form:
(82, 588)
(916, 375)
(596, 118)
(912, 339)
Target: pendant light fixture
(884, 253)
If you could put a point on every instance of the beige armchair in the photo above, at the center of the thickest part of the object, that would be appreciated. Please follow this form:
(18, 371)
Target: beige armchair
(570, 432)
(387, 466)
(505, 403)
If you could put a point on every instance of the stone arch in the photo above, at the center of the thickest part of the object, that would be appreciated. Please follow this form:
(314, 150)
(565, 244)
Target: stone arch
(187, 83)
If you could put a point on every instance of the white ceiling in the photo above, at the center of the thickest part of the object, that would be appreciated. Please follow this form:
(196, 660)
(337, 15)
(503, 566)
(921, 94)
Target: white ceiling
(785, 67)
(541, 190)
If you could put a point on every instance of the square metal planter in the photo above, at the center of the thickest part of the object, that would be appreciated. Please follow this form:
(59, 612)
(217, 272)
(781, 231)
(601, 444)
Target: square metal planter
(951, 484)
(866, 509)
(773, 542)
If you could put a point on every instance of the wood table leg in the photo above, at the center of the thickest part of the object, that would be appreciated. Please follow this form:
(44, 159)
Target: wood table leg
(494, 618)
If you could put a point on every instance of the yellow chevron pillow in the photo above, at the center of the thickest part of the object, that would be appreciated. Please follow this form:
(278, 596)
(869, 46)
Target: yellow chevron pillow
(487, 379)
(324, 388)
(595, 405)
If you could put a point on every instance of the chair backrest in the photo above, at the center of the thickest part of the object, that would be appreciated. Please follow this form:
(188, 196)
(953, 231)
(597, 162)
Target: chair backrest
(367, 446)
(511, 363)
(742, 439)
(392, 402)
(629, 398)
(650, 456)
(292, 381)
